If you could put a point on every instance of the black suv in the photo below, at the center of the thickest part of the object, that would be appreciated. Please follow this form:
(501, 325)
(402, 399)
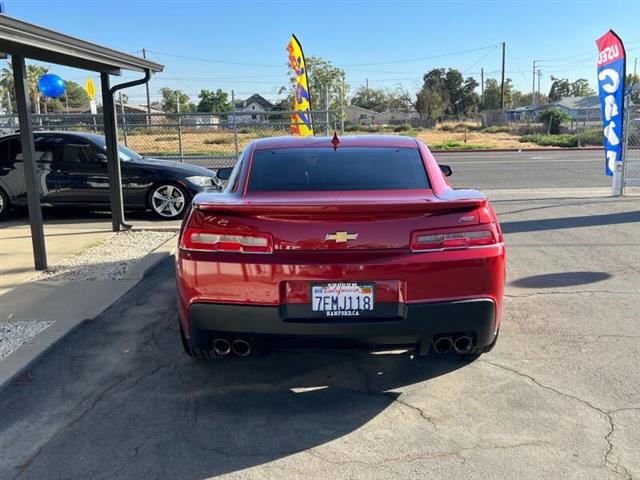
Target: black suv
(72, 171)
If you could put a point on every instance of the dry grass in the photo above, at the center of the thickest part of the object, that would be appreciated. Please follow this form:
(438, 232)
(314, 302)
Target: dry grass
(220, 143)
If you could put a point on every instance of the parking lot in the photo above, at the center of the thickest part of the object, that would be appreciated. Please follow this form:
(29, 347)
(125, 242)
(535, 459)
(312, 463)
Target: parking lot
(559, 396)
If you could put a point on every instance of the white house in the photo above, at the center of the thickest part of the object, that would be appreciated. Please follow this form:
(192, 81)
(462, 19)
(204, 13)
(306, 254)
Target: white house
(358, 115)
(249, 110)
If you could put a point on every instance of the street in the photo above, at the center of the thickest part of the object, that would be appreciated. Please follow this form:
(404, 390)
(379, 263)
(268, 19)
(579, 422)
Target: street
(559, 396)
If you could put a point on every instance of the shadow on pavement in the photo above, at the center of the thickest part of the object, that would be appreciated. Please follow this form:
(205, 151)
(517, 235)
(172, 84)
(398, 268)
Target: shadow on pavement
(570, 222)
(564, 279)
(119, 399)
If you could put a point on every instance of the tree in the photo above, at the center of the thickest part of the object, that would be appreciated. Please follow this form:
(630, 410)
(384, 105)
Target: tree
(469, 100)
(370, 98)
(34, 72)
(560, 87)
(581, 88)
(211, 101)
(76, 96)
(553, 119)
(630, 80)
(492, 93)
(521, 99)
(169, 103)
(456, 93)
(324, 78)
(430, 103)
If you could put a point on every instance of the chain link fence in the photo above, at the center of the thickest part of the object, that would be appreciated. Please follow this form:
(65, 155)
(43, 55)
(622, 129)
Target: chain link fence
(208, 139)
(631, 171)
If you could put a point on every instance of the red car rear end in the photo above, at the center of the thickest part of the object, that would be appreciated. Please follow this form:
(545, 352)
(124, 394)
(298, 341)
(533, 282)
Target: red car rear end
(363, 245)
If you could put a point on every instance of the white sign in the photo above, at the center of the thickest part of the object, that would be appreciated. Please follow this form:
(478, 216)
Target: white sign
(94, 108)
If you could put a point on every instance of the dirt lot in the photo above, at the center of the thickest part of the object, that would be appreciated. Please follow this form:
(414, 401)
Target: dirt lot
(222, 142)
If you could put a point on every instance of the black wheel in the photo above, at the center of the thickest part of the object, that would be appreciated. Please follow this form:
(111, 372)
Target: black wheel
(195, 353)
(168, 200)
(4, 205)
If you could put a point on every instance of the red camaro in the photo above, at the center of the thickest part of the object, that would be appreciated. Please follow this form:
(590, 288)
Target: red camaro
(357, 243)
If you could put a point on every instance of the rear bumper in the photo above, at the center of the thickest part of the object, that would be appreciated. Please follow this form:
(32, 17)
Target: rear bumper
(411, 325)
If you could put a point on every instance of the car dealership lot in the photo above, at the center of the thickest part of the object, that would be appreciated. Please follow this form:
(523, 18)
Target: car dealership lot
(559, 396)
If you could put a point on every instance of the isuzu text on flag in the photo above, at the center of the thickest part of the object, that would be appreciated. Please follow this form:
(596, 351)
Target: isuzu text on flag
(301, 120)
(611, 72)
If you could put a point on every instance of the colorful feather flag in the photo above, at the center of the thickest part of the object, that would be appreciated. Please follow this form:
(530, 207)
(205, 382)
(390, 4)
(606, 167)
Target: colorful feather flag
(301, 123)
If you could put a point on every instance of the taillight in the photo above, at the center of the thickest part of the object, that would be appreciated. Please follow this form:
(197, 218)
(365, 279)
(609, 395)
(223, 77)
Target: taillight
(212, 241)
(436, 241)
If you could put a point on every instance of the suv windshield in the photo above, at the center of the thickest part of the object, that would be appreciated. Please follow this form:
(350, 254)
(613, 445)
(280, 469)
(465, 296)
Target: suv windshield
(326, 169)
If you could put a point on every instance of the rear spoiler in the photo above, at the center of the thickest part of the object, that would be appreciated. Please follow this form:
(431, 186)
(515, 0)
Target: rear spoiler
(452, 200)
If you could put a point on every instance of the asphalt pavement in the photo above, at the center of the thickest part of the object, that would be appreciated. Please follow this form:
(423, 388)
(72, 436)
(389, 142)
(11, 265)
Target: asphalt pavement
(558, 398)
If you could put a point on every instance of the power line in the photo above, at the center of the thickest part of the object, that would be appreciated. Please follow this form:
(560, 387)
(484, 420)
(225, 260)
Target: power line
(419, 59)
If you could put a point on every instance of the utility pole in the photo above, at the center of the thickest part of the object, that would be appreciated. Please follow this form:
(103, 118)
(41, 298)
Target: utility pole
(533, 88)
(539, 77)
(366, 89)
(504, 52)
(146, 86)
(482, 87)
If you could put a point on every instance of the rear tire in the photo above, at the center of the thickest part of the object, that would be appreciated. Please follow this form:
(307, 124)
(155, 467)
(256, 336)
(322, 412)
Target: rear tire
(5, 205)
(196, 353)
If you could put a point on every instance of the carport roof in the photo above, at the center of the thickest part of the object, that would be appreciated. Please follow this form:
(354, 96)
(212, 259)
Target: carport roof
(18, 37)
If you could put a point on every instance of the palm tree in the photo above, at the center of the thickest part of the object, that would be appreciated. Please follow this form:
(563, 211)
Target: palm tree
(34, 72)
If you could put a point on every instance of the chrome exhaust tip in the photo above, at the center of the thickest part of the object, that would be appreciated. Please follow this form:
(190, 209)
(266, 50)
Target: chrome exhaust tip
(240, 347)
(442, 344)
(463, 344)
(221, 346)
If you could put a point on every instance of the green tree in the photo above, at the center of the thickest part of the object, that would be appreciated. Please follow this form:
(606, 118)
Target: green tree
(371, 98)
(76, 96)
(34, 72)
(581, 88)
(630, 80)
(213, 101)
(553, 118)
(324, 78)
(492, 93)
(521, 99)
(560, 87)
(430, 103)
(170, 99)
(469, 99)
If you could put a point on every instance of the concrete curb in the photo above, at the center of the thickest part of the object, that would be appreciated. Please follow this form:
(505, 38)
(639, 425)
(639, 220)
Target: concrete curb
(32, 351)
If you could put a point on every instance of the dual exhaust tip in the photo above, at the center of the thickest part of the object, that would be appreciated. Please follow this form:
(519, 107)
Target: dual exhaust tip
(223, 347)
(461, 344)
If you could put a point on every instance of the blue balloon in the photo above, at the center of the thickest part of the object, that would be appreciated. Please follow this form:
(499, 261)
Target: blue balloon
(51, 85)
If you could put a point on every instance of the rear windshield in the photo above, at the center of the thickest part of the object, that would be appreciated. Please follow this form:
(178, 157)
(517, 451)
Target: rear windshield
(326, 169)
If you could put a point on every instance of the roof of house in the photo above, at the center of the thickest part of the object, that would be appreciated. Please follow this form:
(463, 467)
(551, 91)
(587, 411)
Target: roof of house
(362, 109)
(398, 112)
(255, 98)
(578, 103)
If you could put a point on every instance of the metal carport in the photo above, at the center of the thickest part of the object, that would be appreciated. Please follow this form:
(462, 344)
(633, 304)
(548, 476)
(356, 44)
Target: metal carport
(25, 40)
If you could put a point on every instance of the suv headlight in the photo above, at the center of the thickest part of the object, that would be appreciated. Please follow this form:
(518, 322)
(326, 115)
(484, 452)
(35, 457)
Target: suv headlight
(201, 181)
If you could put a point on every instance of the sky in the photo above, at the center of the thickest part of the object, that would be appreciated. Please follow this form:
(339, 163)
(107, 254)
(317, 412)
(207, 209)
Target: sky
(241, 45)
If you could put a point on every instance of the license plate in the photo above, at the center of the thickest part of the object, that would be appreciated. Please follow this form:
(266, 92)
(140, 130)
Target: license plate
(343, 299)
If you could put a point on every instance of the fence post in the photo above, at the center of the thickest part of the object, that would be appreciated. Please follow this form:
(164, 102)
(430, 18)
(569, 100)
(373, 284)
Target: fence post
(235, 127)
(618, 172)
(326, 110)
(179, 127)
(124, 122)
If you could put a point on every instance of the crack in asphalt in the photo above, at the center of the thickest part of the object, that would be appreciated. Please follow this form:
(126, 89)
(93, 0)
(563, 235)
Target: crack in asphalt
(615, 467)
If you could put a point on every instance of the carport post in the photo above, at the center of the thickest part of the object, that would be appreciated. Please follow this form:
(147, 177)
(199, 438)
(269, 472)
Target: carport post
(29, 162)
(113, 159)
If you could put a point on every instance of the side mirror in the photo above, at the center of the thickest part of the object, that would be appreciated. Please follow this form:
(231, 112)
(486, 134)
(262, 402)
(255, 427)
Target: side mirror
(100, 158)
(224, 173)
(446, 170)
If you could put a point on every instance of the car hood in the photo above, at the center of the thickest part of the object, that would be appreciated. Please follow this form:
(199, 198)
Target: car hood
(184, 168)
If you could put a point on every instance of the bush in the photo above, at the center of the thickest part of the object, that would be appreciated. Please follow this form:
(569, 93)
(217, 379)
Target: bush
(402, 128)
(166, 138)
(565, 140)
(553, 119)
(498, 129)
(218, 141)
(351, 128)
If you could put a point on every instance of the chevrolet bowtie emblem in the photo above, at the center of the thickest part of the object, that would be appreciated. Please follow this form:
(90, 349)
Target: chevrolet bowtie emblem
(341, 237)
